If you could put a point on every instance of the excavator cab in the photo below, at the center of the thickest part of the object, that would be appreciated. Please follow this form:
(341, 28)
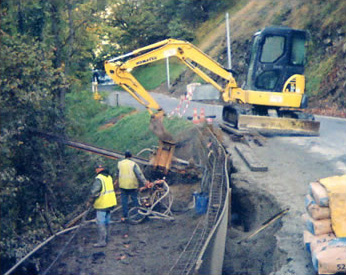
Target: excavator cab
(274, 86)
(277, 53)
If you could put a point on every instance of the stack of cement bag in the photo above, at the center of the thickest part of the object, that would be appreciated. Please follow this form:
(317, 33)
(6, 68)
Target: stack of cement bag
(325, 221)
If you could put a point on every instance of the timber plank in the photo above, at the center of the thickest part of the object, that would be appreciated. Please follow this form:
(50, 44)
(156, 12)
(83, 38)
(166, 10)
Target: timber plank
(251, 160)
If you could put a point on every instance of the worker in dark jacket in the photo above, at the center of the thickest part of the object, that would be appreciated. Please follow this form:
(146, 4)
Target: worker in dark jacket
(130, 178)
(103, 199)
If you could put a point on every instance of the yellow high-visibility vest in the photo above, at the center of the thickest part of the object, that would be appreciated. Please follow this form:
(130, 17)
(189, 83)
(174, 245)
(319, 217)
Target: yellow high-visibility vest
(107, 196)
(127, 177)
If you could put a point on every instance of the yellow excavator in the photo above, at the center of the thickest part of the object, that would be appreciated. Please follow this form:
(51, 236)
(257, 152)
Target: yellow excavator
(270, 101)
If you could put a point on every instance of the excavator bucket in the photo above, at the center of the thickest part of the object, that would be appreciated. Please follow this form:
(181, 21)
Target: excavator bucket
(276, 125)
(164, 155)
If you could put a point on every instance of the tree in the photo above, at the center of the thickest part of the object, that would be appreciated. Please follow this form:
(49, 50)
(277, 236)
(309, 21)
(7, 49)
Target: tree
(29, 168)
(70, 27)
(137, 23)
(195, 12)
(134, 25)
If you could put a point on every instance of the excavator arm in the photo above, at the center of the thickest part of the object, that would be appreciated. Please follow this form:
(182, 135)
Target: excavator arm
(121, 73)
(197, 61)
(187, 54)
(267, 108)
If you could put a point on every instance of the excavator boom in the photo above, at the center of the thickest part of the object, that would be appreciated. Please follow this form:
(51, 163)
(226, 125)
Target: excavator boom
(270, 100)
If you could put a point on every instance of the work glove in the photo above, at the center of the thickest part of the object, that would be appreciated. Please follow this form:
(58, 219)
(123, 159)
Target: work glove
(149, 184)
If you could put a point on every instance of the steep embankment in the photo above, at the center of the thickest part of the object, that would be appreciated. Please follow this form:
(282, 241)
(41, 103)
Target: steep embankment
(324, 20)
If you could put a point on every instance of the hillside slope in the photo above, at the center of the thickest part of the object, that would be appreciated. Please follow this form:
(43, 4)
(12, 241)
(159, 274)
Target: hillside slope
(324, 20)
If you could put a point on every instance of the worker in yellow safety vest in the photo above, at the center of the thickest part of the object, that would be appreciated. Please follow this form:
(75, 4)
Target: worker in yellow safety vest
(130, 179)
(103, 199)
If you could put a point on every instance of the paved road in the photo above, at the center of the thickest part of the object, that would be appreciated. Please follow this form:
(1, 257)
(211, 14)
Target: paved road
(168, 103)
(330, 145)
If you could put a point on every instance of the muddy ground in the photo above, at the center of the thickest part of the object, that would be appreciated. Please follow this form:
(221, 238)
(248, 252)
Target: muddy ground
(151, 247)
(154, 246)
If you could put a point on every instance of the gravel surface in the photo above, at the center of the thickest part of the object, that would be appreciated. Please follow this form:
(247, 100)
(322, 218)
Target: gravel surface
(293, 162)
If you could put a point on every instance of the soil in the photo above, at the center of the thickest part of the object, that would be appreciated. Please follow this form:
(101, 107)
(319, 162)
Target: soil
(153, 246)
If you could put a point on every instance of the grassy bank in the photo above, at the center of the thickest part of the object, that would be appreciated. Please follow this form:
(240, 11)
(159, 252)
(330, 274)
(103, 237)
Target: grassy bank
(153, 75)
(116, 128)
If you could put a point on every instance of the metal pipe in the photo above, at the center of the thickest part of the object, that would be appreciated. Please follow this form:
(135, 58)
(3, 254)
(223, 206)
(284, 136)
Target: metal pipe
(228, 42)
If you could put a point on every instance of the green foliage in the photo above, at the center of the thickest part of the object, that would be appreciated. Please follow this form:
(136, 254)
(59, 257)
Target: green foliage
(317, 73)
(43, 43)
(86, 115)
(115, 128)
(30, 166)
(131, 132)
(325, 23)
(194, 12)
(23, 18)
(153, 75)
(68, 28)
(134, 24)
(180, 30)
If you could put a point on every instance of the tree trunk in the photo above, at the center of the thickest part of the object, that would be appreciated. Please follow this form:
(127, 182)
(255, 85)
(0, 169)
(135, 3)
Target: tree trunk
(70, 40)
(55, 17)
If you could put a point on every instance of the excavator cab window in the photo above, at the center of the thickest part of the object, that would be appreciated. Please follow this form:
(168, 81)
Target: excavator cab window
(277, 53)
(298, 50)
(273, 48)
(267, 80)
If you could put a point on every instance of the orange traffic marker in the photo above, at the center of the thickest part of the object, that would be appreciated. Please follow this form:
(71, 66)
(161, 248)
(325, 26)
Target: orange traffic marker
(195, 119)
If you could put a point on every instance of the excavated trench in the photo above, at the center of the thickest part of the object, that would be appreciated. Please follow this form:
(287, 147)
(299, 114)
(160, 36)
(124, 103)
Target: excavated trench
(247, 253)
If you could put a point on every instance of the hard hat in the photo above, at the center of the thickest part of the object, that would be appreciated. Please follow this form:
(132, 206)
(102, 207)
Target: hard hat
(99, 167)
(128, 154)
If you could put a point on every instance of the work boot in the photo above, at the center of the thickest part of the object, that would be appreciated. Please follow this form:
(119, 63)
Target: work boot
(102, 231)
